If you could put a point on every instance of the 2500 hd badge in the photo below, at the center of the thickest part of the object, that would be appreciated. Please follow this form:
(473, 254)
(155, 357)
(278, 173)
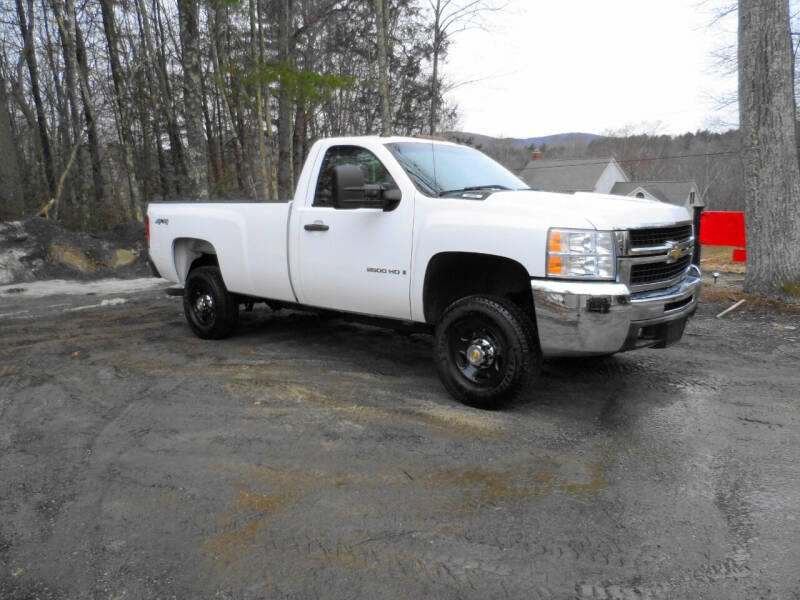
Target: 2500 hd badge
(385, 271)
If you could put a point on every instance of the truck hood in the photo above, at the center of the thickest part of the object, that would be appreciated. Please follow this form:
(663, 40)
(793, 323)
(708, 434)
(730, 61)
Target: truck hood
(603, 211)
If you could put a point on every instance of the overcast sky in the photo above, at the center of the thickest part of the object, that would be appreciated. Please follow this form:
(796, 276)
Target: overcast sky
(553, 66)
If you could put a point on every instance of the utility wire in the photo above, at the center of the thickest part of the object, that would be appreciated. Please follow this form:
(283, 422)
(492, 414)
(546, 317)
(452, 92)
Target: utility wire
(626, 160)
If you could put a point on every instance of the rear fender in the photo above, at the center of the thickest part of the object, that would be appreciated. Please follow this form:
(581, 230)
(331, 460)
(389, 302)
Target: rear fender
(186, 251)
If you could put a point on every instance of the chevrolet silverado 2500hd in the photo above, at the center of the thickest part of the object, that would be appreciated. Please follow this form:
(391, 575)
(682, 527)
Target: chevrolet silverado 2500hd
(423, 231)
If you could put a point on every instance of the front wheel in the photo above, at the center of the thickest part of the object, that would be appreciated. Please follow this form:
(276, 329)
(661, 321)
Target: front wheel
(211, 310)
(486, 350)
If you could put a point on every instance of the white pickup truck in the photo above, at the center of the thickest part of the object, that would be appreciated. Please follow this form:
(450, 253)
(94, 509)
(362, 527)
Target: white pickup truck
(438, 234)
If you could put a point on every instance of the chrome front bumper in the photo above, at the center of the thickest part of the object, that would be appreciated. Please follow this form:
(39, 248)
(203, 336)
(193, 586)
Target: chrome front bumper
(582, 318)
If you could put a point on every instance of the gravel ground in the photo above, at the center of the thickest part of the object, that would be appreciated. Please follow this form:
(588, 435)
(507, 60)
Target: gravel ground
(312, 458)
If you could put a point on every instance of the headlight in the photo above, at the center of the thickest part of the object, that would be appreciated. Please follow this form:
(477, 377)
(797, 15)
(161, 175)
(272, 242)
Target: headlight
(580, 254)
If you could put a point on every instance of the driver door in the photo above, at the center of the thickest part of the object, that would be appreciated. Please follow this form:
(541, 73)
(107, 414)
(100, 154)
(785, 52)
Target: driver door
(355, 260)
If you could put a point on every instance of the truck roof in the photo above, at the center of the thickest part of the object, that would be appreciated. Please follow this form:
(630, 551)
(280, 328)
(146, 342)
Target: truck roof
(389, 139)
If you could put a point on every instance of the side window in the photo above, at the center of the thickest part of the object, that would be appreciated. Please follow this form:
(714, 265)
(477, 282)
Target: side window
(373, 169)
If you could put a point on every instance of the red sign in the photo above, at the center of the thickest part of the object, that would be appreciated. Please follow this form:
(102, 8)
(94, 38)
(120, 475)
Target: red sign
(724, 228)
(718, 228)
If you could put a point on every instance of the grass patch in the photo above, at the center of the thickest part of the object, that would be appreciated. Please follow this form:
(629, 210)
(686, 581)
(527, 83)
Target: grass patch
(792, 288)
(720, 258)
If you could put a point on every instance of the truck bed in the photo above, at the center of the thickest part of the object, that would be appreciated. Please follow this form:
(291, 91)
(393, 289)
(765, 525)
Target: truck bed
(249, 239)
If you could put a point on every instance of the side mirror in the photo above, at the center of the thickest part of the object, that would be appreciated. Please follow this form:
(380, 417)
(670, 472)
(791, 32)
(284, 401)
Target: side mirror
(350, 191)
(391, 198)
(348, 186)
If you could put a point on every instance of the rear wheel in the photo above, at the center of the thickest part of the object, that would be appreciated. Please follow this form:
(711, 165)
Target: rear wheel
(211, 310)
(486, 350)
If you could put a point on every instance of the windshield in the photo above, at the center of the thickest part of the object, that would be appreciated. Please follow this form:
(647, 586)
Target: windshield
(440, 170)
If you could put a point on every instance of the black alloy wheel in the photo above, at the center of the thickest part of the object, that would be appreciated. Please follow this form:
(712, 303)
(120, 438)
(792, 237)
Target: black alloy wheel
(486, 350)
(211, 310)
(478, 350)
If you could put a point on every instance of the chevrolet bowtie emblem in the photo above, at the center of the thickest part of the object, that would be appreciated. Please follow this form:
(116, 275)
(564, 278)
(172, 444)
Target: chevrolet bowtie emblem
(675, 253)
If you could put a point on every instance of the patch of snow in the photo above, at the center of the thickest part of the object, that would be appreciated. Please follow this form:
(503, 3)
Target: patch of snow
(113, 302)
(53, 287)
(15, 315)
(108, 302)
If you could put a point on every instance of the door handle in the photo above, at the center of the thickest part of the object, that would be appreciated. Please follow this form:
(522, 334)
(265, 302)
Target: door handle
(316, 226)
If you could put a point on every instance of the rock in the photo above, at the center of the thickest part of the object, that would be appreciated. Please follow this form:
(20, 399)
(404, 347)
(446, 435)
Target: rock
(11, 268)
(37, 249)
(71, 257)
(122, 258)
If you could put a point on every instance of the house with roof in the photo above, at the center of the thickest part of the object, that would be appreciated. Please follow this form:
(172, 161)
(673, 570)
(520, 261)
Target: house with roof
(605, 176)
(680, 193)
(573, 175)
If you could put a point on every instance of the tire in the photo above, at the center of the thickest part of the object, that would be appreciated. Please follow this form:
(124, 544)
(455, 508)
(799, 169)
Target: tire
(211, 310)
(502, 343)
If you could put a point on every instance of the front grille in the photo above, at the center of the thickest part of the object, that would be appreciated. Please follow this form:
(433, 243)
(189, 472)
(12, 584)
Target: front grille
(642, 238)
(654, 272)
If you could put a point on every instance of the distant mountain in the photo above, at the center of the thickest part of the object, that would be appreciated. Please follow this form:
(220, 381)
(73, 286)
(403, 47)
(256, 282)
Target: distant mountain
(558, 139)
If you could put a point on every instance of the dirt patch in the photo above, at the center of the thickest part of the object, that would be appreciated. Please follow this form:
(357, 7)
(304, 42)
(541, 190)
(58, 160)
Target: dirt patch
(720, 258)
(724, 294)
(484, 486)
(36, 249)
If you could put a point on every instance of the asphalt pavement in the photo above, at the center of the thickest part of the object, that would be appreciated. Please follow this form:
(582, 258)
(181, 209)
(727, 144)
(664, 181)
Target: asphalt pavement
(307, 457)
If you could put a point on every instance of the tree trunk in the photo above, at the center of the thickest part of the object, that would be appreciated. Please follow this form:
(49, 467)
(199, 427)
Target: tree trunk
(58, 75)
(196, 159)
(298, 140)
(149, 95)
(262, 51)
(66, 29)
(255, 58)
(33, 71)
(211, 151)
(768, 127)
(383, 67)
(110, 28)
(437, 47)
(226, 101)
(12, 200)
(285, 131)
(93, 139)
(168, 104)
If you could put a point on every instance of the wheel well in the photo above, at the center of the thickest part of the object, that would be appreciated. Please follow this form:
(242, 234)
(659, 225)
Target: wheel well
(454, 275)
(190, 253)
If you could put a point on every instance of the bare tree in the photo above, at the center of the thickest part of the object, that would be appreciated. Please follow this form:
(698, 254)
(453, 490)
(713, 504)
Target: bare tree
(285, 55)
(12, 201)
(449, 18)
(262, 54)
(196, 157)
(768, 127)
(168, 102)
(66, 29)
(29, 51)
(263, 180)
(110, 28)
(89, 112)
(383, 67)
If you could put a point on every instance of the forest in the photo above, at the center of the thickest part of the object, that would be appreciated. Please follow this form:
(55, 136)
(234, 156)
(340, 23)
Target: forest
(106, 105)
